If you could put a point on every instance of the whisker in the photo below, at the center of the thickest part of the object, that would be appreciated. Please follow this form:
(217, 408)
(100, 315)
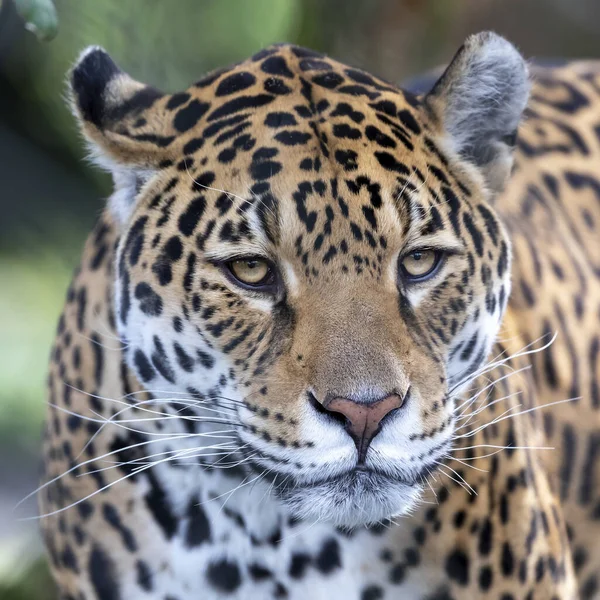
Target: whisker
(466, 464)
(99, 458)
(519, 354)
(500, 448)
(460, 480)
(486, 405)
(503, 417)
(493, 383)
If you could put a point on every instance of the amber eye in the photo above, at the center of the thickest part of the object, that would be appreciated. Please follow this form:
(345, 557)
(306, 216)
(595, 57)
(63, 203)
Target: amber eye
(251, 272)
(420, 264)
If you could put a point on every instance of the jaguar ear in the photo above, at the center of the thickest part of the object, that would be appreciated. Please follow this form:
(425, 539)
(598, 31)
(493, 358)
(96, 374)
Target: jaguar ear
(124, 121)
(479, 101)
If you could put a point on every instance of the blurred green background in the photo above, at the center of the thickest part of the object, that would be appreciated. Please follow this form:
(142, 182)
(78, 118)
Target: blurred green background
(49, 195)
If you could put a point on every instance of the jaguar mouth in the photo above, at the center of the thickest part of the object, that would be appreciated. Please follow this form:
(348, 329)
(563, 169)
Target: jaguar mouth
(367, 477)
(360, 483)
(360, 477)
(360, 496)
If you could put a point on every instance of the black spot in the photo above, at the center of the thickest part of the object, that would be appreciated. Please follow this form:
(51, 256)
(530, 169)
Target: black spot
(387, 161)
(99, 257)
(274, 85)
(373, 592)
(187, 117)
(158, 504)
(486, 577)
(112, 517)
(258, 572)
(176, 100)
(369, 214)
(293, 138)
(474, 232)
(343, 109)
(507, 561)
(226, 156)
(343, 130)
(85, 509)
(215, 128)
(380, 138)
(235, 83)
(441, 593)
(265, 169)
(329, 558)
(81, 308)
(397, 574)
(186, 362)
(420, 535)
(457, 567)
(198, 526)
(408, 121)
(299, 564)
(151, 303)
(193, 145)
(276, 65)
(328, 80)
(188, 221)
(239, 104)
(347, 158)
(170, 253)
(143, 366)
(540, 569)
(102, 575)
(144, 575)
(206, 360)
(312, 64)
(98, 352)
(485, 538)
(69, 560)
(491, 224)
(301, 52)
(589, 588)
(280, 119)
(224, 575)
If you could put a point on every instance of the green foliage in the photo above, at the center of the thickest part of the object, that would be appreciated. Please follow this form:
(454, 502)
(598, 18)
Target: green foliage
(29, 307)
(33, 583)
(40, 17)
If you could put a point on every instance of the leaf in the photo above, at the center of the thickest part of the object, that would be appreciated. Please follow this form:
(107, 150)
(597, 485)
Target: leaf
(40, 17)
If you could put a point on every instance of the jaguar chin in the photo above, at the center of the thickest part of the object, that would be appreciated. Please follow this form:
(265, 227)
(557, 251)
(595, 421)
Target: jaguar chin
(354, 498)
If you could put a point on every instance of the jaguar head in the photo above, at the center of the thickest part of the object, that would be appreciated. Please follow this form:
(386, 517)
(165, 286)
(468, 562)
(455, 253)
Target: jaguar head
(313, 255)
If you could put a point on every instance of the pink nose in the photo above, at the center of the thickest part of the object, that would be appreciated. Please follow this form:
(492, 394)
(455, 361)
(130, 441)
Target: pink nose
(363, 420)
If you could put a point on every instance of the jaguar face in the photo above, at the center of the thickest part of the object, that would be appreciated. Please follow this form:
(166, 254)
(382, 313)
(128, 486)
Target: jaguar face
(310, 257)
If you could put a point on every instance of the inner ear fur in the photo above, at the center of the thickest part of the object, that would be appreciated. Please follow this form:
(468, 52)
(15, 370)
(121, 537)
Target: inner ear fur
(479, 101)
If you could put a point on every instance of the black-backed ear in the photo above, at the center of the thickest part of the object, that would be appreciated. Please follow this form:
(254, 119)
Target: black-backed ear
(124, 122)
(479, 101)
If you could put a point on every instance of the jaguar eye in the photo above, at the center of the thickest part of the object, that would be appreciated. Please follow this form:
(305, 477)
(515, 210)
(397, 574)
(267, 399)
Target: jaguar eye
(251, 272)
(420, 264)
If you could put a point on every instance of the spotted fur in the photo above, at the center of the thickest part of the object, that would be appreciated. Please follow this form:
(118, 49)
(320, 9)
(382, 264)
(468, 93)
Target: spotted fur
(189, 452)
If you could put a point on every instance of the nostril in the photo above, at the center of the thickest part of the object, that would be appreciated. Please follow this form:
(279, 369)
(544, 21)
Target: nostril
(392, 413)
(336, 416)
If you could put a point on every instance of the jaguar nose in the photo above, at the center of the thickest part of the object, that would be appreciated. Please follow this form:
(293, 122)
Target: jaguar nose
(363, 419)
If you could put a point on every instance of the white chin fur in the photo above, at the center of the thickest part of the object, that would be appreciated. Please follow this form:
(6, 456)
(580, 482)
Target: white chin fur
(352, 502)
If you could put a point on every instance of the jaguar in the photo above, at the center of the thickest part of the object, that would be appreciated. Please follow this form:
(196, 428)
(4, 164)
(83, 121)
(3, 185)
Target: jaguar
(333, 339)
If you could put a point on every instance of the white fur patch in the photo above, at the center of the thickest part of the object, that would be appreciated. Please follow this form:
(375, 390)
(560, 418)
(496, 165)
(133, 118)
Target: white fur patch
(127, 181)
